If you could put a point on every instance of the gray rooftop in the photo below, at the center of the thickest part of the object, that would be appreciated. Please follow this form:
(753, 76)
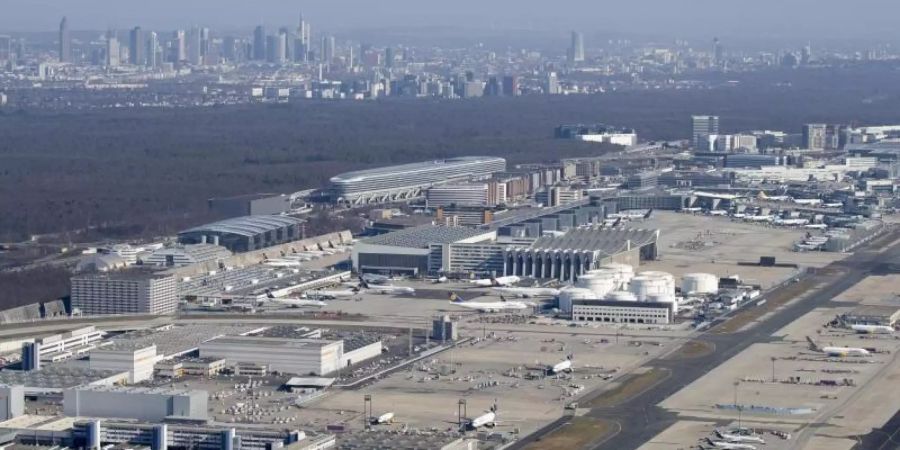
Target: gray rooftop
(421, 237)
(247, 225)
(591, 239)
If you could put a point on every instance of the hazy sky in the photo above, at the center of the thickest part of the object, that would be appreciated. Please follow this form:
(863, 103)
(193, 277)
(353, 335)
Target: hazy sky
(741, 18)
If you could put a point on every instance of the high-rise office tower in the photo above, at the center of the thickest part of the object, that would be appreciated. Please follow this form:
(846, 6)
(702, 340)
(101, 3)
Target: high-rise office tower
(275, 48)
(510, 85)
(551, 85)
(152, 50)
(718, 51)
(112, 49)
(31, 356)
(229, 48)
(65, 42)
(389, 57)
(328, 49)
(205, 45)
(195, 47)
(179, 47)
(814, 136)
(703, 128)
(259, 43)
(6, 49)
(576, 48)
(806, 55)
(136, 47)
(303, 41)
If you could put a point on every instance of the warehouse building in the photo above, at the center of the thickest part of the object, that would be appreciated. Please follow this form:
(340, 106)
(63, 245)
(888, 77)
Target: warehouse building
(185, 255)
(137, 359)
(414, 251)
(888, 316)
(245, 234)
(568, 256)
(124, 292)
(614, 311)
(386, 184)
(250, 205)
(139, 403)
(294, 356)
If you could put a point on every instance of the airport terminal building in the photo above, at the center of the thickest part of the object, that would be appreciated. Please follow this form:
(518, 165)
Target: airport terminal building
(406, 181)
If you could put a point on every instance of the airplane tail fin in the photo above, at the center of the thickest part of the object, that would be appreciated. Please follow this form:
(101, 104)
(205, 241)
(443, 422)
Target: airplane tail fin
(269, 293)
(503, 299)
(455, 298)
(812, 344)
(647, 216)
(494, 282)
(494, 407)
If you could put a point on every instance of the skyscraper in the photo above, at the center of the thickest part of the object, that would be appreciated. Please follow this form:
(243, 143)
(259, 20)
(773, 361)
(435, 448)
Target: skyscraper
(576, 49)
(179, 47)
(814, 135)
(510, 85)
(65, 42)
(259, 43)
(551, 85)
(152, 49)
(112, 49)
(389, 57)
(195, 47)
(205, 45)
(703, 128)
(328, 49)
(6, 49)
(303, 41)
(136, 47)
(718, 52)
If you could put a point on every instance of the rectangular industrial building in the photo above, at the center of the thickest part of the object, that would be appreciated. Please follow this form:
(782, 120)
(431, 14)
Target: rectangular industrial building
(124, 292)
(294, 356)
(873, 315)
(245, 234)
(612, 311)
(250, 205)
(414, 251)
(135, 358)
(12, 402)
(139, 403)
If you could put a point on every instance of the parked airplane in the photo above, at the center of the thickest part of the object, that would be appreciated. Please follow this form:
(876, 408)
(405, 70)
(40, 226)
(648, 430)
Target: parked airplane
(816, 226)
(791, 222)
(739, 438)
(373, 278)
(730, 445)
(808, 201)
(499, 281)
(385, 288)
(488, 419)
(564, 366)
(332, 294)
(837, 351)
(759, 218)
(502, 305)
(294, 302)
(872, 329)
(527, 292)
(387, 417)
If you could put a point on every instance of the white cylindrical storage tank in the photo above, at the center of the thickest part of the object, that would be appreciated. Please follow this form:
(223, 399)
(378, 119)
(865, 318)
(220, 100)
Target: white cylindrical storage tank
(644, 287)
(625, 273)
(570, 293)
(699, 283)
(621, 296)
(600, 283)
(665, 276)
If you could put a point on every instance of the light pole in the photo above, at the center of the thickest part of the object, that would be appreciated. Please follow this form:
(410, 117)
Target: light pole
(773, 369)
(736, 405)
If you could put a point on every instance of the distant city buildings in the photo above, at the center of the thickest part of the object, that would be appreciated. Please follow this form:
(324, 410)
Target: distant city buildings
(702, 128)
(814, 136)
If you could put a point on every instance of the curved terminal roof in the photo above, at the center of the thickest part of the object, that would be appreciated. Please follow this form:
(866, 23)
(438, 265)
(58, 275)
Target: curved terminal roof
(407, 169)
(246, 226)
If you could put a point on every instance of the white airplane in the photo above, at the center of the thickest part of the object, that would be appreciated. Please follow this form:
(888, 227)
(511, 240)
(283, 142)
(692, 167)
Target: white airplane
(332, 294)
(731, 445)
(488, 307)
(282, 262)
(385, 288)
(739, 438)
(387, 417)
(294, 302)
(837, 351)
(499, 281)
(832, 205)
(527, 292)
(373, 278)
(758, 218)
(816, 226)
(872, 329)
(791, 222)
(488, 419)
(562, 366)
(718, 212)
(808, 201)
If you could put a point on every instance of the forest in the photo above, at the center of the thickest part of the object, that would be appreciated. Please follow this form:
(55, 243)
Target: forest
(148, 172)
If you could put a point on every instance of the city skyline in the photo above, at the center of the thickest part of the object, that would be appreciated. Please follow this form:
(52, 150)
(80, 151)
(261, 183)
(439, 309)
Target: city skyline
(769, 19)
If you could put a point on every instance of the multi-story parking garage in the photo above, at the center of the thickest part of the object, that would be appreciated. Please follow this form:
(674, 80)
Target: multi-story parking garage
(392, 183)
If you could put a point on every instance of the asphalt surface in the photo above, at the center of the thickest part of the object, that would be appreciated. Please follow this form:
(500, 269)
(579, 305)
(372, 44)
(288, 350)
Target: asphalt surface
(639, 417)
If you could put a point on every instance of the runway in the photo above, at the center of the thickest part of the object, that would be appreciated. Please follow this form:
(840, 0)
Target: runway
(639, 417)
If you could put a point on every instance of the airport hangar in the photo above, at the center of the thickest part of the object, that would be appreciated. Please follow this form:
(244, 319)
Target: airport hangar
(245, 234)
